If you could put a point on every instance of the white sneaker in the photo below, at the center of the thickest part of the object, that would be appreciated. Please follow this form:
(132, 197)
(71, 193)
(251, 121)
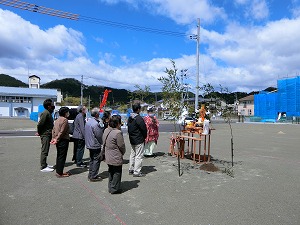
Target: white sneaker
(47, 169)
(50, 166)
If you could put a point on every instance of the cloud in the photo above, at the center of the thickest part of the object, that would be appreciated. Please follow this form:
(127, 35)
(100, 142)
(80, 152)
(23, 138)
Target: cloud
(182, 12)
(36, 43)
(259, 9)
(296, 12)
(99, 40)
(256, 55)
(242, 58)
(254, 9)
(125, 59)
(107, 56)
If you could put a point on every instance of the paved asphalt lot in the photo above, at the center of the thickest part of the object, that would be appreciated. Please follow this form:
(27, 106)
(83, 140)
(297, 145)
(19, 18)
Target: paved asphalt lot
(262, 188)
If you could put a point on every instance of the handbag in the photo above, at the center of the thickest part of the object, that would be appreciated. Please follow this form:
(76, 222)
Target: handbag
(102, 153)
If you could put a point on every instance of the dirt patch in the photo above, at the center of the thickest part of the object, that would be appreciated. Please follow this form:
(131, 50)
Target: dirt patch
(209, 167)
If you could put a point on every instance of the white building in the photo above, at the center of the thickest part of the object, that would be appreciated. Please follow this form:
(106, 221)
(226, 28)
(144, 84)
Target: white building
(246, 106)
(34, 81)
(21, 102)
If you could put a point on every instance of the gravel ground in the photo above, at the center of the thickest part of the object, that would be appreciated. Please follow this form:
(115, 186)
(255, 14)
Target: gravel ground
(262, 187)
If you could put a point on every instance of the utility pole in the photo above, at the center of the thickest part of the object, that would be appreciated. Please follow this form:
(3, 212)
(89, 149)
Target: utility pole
(197, 37)
(81, 90)
(197, 63)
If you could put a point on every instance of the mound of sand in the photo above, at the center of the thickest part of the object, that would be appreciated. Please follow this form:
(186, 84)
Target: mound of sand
(209, 167)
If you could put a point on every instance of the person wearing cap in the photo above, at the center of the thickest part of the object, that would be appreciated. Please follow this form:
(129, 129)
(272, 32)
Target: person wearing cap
(44, 130)
(152, 125)
(78, 135)
(60, 138)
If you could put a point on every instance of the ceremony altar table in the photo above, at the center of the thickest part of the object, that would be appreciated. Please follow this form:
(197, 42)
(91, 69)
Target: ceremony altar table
(188, 140)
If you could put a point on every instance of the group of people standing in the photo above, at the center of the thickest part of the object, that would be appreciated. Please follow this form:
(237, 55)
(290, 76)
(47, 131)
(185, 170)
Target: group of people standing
(102, 137)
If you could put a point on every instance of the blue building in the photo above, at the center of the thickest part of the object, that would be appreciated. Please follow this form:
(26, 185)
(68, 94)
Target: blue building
(26, 102)
(285, 102)
(21, 102)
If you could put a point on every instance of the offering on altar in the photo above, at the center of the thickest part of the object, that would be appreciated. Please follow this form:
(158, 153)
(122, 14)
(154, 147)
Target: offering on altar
(202, 114)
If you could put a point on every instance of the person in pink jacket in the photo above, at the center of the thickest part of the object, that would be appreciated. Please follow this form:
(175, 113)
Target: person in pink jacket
(152, 125)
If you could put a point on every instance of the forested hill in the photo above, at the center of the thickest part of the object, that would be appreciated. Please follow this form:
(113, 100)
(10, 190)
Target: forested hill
(8, 81)
(72, 87)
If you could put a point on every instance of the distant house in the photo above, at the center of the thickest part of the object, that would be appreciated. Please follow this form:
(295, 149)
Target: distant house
(246, 106)
(22, 102)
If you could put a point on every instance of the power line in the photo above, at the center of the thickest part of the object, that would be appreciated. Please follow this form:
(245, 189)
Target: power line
(39, 9)
(131, 27)
(67, 15)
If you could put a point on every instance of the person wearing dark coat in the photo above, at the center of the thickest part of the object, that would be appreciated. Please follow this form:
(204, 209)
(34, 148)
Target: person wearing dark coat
(78, 135)
(44, 130)
(137, 131)
(114, 147)
(105, 118)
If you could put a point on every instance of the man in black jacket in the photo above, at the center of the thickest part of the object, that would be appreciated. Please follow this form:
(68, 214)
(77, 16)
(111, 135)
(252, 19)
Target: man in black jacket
(137, 131)
(44, 130)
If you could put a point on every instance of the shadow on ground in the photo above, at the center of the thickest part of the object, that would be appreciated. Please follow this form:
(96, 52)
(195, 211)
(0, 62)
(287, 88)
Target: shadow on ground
(104, 174)
(67, 164)
(148, 169)
(128, 185)
(159, 154)
(77, 170)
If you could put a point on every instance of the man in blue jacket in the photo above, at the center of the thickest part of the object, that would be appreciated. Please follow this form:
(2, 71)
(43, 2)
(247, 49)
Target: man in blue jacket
(137, 131)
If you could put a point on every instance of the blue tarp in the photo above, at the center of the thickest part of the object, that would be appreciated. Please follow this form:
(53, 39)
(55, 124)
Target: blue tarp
(285, 100)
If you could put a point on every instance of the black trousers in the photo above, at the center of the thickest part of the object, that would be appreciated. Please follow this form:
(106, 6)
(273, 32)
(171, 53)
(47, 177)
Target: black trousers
(62, 150)
(94, 163)
(74, 150)
(114, 178)
(80, 151)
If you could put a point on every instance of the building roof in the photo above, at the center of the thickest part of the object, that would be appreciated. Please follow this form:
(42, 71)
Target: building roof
(247, 98)
(28, 92)
(34, 76)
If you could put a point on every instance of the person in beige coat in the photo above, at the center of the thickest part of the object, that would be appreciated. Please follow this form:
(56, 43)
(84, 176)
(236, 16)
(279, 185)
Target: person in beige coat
(60, 138)
(114, 147)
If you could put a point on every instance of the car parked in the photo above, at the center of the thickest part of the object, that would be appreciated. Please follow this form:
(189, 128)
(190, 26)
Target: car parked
(170, 118)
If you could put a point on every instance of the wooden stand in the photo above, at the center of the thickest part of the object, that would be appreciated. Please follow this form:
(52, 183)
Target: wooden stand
(187, 135)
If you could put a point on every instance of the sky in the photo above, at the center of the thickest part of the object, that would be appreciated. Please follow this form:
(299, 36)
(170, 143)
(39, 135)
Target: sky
(245, 45)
